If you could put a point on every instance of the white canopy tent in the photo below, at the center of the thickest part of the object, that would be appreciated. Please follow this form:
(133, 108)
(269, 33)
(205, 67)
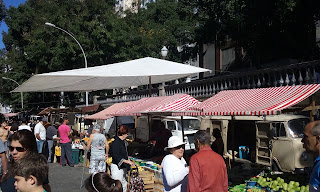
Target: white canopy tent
(125, 74)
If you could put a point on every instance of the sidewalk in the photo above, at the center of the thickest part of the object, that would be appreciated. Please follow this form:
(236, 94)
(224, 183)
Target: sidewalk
(67, 179)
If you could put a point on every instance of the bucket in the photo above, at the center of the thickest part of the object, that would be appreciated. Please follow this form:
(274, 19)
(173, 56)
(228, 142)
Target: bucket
(75, 156)
(243, 152)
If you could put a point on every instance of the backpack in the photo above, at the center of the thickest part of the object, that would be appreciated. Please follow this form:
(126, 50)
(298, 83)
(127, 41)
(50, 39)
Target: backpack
(136, 183)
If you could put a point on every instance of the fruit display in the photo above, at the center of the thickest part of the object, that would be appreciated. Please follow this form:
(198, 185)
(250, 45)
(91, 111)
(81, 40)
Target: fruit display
(266, 184)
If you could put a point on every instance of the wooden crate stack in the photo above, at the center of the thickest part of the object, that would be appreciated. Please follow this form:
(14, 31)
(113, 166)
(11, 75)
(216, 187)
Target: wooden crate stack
(150, 183)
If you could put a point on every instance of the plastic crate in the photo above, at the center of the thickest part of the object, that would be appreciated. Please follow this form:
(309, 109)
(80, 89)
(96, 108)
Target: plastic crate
(75, 156)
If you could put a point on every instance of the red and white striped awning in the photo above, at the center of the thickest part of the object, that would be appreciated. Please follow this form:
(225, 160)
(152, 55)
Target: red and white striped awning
(174, 103)
(263, 101)
(105, 114)
(134, 107)
(168, 104)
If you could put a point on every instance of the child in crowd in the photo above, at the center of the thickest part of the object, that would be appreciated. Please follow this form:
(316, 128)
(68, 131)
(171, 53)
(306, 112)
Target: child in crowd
(30, 173)
(102, 181)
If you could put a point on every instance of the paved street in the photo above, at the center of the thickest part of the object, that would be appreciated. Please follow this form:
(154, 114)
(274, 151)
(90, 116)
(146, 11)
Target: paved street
(66, 179)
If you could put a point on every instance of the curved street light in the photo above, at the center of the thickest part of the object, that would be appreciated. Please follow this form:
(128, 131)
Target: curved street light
(84, 55)
(18, 85)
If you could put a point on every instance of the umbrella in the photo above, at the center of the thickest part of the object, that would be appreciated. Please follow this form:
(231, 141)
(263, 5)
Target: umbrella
(125, 74)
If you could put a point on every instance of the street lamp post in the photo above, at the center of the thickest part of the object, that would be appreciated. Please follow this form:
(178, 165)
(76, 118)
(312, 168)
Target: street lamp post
(84, 55)
(18, 85)
(164, 53)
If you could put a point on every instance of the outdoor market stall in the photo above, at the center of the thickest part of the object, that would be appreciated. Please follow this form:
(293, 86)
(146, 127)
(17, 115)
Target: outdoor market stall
(165, 105)
(259, 104)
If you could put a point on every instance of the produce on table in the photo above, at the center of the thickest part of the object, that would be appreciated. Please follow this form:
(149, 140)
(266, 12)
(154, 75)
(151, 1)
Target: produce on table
(265, 184)
(280, 185)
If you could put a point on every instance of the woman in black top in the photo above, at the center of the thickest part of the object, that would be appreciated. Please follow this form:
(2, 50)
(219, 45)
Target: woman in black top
(120, 162)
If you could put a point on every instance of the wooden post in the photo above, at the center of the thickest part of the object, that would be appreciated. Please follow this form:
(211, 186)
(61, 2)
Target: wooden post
(135, 127)
(312, 108)
(182, 129)
(232, 142)
(115, 118)
(150, 126)
(149, 86)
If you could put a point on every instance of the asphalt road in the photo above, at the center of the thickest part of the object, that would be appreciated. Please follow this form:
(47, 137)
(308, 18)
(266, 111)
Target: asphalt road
(67, 179)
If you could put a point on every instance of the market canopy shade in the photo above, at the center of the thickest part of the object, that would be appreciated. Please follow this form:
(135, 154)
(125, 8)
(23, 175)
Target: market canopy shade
(133, 108)
(105, 114)
(163, 105)
(52, 110)
(170, 104)
(263, 101)
(151, 105)
(125, 74)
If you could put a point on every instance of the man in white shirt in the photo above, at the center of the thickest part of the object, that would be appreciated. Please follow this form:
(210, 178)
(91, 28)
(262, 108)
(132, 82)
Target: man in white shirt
(24, 125)
(40, 133)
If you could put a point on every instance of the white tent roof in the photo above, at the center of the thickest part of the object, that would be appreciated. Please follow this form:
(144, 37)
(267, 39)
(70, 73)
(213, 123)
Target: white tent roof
(118, 75)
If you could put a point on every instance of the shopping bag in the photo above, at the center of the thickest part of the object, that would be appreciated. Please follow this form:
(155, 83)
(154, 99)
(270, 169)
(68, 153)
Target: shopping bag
(136, 183)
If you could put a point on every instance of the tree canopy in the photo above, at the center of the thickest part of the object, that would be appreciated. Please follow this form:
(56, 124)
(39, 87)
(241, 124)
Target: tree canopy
(265, 30)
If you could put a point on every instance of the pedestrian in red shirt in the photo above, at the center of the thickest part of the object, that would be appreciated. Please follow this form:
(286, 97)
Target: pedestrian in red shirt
(207, 171)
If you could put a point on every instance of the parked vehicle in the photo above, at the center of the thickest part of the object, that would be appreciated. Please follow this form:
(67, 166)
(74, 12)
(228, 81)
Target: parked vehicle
(274, 141)
(191, 126)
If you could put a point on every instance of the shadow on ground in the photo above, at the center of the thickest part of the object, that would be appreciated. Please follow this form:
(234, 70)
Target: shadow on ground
(67, 179)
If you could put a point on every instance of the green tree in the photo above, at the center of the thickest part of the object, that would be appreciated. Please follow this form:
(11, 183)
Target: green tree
(266, 30)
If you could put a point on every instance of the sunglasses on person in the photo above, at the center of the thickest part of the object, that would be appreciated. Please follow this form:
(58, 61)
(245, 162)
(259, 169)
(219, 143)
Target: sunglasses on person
(179, 147)
(19, 149)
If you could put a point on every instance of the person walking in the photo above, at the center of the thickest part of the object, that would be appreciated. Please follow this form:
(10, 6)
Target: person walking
(51, 134)
(311, 142)
(66, 150)
(4, 133)
(120, 162)
(161, 137)
(208, 171)
(99, 150)
(217, 146)
(174, 168)
(24, 125)
(40, 133)
(4, 162)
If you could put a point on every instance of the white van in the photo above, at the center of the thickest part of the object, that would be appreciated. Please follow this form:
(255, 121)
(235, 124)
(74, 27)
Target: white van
(191, 126)
(274, 140)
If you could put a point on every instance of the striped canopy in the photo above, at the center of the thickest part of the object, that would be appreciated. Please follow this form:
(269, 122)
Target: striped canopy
(105, 114)
(263, 101)
(134, 107)
(165, 105)
(174, 103)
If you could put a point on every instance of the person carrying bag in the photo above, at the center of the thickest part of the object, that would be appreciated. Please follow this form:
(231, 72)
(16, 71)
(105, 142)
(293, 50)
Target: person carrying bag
(136, 183)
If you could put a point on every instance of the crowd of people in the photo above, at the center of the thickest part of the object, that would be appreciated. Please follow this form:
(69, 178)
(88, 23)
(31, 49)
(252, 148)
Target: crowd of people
(29, 145)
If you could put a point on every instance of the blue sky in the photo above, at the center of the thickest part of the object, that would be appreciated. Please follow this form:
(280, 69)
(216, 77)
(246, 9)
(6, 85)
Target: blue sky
(3, 26)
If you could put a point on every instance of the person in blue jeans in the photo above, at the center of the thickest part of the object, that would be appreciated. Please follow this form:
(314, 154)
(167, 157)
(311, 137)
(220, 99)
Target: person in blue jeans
(66, 150)
(40, 133)
(311, 142)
